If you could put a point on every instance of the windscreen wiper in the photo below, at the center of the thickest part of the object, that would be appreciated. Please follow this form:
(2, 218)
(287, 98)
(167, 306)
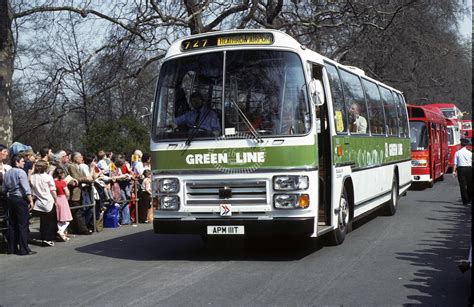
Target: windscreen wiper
(252, 130)
(197, 127)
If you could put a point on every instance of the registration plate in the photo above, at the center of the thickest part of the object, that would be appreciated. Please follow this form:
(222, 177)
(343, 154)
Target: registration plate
(225, 230)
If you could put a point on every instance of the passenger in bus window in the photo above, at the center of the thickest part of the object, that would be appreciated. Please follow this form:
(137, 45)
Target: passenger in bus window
(201, 115)
(358, 124)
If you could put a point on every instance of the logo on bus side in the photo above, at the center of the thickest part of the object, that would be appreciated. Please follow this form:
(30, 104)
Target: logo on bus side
(375, 156)
(392, 150)
(240, 158)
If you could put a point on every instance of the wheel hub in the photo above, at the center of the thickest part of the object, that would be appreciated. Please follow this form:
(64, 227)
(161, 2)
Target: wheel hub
(343, 214)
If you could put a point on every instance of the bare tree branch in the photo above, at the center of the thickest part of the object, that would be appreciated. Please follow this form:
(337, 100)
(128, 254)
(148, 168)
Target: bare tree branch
(145, 65)
(82, 12)
(225, 14)
(46, 122)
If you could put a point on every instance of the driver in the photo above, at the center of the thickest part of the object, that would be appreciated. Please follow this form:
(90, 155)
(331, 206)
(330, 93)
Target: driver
(201, 115)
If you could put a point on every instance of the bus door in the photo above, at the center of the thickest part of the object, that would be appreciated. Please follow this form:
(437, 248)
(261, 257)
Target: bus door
(453, 143)
(324, 155)
(435, 152)
(444, 148)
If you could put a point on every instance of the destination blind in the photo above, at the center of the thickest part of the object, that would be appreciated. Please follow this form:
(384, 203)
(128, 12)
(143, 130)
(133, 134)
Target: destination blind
(227, 40)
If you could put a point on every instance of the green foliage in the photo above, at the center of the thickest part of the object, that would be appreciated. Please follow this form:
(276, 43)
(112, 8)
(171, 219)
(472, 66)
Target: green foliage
(120, 136)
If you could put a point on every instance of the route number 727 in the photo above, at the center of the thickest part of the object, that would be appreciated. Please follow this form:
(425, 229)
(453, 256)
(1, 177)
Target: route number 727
(195, 44)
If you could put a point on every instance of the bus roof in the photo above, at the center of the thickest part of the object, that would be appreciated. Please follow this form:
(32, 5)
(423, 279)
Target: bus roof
(444, 105)
(450, 110)
(426, 112)
(433, 108)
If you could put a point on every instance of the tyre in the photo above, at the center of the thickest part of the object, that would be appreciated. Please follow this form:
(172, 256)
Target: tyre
(391, 206)
(344, 225)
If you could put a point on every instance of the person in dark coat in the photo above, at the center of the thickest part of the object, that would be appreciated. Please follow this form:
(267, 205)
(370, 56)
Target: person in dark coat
(19, 203)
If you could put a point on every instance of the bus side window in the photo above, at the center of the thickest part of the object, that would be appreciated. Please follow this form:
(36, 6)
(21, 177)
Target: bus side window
(374, 104)
(402, 115)
(340, 114)
(390, 110)
(355, 102)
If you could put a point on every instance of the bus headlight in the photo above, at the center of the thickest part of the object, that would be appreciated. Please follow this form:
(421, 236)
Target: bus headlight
(290, 183)
(168, 185)
(169, 202)
(291, 201)
(419, 163)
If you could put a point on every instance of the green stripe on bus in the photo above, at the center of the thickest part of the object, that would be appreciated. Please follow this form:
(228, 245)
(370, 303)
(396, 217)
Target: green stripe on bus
(303, 156)
(359, 151)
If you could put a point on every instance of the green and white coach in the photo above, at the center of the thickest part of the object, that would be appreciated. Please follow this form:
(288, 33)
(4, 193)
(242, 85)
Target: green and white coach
(254, 134)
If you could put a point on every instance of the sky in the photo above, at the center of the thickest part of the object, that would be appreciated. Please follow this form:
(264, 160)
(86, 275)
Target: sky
(465, 25)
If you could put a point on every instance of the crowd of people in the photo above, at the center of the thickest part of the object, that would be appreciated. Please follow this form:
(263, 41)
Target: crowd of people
(64, 189)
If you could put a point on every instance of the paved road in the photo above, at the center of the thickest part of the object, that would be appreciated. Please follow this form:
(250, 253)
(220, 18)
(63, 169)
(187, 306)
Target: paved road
(406, 259)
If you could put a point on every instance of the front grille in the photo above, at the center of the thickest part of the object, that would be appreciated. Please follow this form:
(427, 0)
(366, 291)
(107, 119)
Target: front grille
(244, 192)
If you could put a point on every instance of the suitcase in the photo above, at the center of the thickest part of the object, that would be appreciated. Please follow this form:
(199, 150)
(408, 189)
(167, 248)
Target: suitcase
(111, 216)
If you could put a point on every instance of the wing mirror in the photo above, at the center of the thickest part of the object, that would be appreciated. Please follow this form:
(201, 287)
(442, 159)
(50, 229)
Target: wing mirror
(316, 92)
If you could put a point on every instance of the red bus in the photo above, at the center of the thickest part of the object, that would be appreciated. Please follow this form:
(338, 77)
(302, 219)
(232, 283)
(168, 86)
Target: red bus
(454, 122)
(450, 110)
(429, 144)
(467, 128)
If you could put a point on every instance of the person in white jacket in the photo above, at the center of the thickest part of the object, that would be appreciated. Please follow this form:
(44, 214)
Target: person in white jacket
(44, 192)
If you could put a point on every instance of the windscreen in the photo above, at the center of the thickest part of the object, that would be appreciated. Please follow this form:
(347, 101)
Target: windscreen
(418, 136)
(199, 96)
(448, 113)
(188, 99)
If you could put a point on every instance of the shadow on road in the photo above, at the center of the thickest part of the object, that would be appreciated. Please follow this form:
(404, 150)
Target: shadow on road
(437, 268)
(418, 186)
(148, 246)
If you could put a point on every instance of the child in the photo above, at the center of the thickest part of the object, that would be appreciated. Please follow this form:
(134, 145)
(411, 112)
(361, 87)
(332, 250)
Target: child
(62, 206)
(145, 196)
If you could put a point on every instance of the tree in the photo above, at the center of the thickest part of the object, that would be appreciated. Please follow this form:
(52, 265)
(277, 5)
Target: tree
(136, 37)
(6, 72)
(122, 136)
(404, 43)
(425, 59)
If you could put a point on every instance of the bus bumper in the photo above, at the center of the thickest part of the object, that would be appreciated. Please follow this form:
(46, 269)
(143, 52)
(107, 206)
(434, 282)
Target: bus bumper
(421, 178)
(303, 226)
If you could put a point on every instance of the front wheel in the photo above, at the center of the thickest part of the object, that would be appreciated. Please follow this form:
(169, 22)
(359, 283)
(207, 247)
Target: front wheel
(344, 225)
